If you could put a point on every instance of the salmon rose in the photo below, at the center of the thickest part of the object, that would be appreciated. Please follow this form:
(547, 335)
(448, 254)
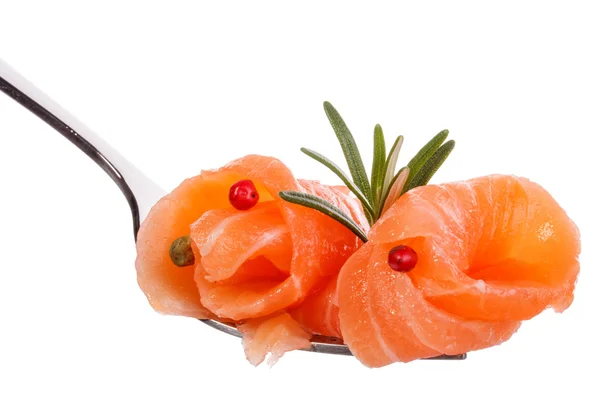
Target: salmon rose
(255, 264)
(492, 252)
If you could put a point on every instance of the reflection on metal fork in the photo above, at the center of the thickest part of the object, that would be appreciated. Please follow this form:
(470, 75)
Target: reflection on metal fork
(8, 85)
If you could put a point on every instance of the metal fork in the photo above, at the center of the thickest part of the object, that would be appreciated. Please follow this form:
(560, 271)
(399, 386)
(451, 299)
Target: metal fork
(139, 190)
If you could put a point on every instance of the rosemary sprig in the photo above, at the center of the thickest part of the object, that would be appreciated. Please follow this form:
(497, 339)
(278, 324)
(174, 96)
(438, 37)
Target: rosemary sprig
(423, 155)
(395, 188)
(325, 207)
(378, 170)
(355, 163)
(386, 184)
(431, 166)
(388, 171)
(369, 212)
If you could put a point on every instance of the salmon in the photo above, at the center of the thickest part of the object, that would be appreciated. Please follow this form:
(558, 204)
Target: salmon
(171, 290)
(493, 252)
(251, 266)
(275, 335)
(305, 246)
(319, 312)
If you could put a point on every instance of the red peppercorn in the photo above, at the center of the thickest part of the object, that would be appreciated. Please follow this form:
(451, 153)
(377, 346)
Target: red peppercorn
(402, 258)
(243, 195)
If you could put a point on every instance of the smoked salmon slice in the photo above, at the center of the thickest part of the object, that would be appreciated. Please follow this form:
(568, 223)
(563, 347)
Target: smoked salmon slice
(251, 266)
(307, 247)
(171, 290)
(493, 251)
(319, 312)
(385, 318)
(274, 335)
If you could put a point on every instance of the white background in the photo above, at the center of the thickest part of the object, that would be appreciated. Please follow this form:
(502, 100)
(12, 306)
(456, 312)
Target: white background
(182, 86)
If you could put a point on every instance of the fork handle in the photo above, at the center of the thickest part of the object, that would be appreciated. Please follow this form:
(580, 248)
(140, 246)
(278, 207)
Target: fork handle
(139, 190)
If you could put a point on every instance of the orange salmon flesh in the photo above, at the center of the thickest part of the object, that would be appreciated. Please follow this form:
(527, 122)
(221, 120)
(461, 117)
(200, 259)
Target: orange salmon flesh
(493, 252)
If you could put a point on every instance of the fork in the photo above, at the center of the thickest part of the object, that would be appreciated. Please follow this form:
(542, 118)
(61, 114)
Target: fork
(139, 190)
